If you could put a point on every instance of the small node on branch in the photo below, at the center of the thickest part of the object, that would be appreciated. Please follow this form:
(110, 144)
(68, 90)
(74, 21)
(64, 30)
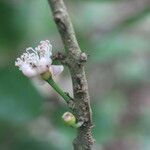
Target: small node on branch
(83, 57)
(58, 56)
(61, 57)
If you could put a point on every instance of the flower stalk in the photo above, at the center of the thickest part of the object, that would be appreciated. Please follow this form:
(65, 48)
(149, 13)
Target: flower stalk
(58, 89)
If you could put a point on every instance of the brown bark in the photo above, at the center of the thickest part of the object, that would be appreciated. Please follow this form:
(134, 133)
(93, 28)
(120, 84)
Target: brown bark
(75, 60)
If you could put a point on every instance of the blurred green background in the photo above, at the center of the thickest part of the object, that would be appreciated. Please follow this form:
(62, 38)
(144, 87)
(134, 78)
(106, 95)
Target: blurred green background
(116, 35)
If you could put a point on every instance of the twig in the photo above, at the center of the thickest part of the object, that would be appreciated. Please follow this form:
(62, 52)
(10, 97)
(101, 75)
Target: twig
(76, 59)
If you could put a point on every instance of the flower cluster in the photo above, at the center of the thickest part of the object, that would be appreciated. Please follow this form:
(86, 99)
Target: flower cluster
(38, 61)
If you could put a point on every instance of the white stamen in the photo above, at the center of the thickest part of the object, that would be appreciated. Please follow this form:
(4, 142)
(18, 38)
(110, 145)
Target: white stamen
(37, 60)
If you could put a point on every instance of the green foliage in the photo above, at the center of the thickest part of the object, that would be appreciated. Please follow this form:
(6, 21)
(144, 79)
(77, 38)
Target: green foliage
(120, 52)
(19, 101)
(106, 114)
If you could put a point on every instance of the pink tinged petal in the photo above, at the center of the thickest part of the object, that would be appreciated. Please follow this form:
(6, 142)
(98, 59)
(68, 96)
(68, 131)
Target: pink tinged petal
(44, 64)
(56, 69)
(28, 71)
(45, 61)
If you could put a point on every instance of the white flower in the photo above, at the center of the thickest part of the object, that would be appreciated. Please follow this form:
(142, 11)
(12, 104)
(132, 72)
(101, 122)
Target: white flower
(38, 61)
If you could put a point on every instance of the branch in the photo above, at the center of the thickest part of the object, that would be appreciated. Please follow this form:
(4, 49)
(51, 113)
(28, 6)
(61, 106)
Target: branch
(76, 59)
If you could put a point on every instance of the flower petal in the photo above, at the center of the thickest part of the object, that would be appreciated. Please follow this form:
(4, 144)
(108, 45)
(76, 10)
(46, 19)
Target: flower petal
(44, 64)
(56, 69)
(28, 71)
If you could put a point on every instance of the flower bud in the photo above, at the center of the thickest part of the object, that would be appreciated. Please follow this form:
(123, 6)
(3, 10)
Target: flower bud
(69, 119)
